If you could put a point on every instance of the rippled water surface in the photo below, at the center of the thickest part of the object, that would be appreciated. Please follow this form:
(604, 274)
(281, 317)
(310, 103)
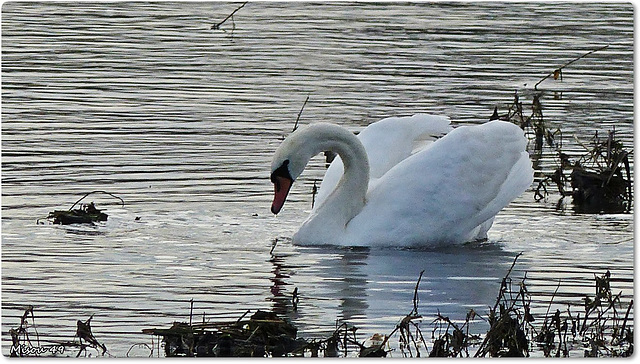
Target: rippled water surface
(144, 100)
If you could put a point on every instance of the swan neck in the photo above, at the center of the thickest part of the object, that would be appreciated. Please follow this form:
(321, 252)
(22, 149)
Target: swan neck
(348, 198)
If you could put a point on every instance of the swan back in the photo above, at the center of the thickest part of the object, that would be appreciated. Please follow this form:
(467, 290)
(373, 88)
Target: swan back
(387, 142)
(444, 194)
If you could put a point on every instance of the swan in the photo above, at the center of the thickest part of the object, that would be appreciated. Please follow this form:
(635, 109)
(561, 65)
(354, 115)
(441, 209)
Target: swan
(397, 184)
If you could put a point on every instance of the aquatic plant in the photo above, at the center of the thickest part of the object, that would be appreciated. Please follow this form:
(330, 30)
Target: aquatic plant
(600, 180)
(86, 214)
(602, 327)
(23, 346)
(596, 178)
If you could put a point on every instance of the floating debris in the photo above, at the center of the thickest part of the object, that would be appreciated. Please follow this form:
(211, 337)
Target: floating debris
(264, 334)
(86, 214)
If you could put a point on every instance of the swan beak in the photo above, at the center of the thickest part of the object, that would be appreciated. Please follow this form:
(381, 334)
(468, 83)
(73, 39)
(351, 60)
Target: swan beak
(281, 185)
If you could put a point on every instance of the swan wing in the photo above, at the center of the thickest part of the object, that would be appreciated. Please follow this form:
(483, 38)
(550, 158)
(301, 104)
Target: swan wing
(388, 142)
(443, 194)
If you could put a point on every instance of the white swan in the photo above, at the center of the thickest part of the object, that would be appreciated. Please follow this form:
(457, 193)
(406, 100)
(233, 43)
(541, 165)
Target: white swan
(446, 192)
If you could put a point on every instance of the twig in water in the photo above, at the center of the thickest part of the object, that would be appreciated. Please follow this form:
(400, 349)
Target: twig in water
(314, 191)
(415, 295)
(295, 299)
(504, 282)
(28, 311)
(217, 26)
(140, 345)
(626, 316)
(191, 312)
(243, 315)
(87, 194)
(546, 315)
(295, 126)
(558, 71)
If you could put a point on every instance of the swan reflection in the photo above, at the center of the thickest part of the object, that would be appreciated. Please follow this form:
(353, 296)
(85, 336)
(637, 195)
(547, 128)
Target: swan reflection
(365, 286)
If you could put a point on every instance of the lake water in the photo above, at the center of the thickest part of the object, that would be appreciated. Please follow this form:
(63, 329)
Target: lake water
(146, 101)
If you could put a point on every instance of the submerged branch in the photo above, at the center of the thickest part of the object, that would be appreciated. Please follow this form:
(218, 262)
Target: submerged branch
(217, 26)
(92, 192)
(559, 69)
(415, 295)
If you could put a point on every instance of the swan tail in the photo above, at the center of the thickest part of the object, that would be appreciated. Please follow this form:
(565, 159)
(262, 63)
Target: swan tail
(517, 181)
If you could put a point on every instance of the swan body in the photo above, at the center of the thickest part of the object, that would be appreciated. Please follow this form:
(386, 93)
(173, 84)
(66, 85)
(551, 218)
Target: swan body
(383, 191)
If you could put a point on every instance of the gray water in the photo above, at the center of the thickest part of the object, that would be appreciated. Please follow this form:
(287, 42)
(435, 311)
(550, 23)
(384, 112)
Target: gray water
(145, 101)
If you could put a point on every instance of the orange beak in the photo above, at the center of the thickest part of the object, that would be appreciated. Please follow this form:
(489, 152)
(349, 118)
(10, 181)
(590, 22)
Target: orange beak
(281, 185)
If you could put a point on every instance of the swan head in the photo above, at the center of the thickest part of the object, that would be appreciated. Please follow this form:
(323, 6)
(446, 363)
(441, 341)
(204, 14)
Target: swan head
(282, 181)
(297, 149)
(289, 161)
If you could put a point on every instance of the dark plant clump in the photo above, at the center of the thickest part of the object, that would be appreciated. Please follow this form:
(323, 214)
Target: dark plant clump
(600, 180)
(509, 320)
(86, 214)
(263, 334)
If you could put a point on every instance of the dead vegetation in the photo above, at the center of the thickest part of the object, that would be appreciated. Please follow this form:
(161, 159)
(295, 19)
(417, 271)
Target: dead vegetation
(603, 329)
(599, 180)
(22, 344)
(86, 214)
(509, 320)
(263, 334)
